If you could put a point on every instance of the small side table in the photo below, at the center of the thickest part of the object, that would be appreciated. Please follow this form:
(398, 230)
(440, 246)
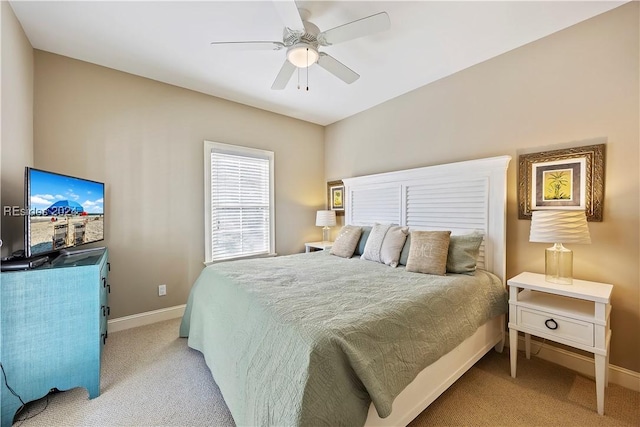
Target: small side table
(323, 246)
(576, 315)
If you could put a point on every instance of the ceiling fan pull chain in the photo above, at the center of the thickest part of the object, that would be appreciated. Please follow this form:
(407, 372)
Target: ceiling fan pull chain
(298, 78)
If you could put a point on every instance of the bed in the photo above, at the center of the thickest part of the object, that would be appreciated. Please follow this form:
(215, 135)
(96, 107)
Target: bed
(316, 339)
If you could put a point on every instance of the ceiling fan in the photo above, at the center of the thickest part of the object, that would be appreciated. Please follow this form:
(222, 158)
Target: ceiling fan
(302, 40)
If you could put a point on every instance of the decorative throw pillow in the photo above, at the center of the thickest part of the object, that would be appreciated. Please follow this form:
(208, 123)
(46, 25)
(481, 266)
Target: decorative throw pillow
(428, 252)
(385, 243)
(374, 242)
(366, 230)
(392, 245)
(346, 242)
(404, 255)
(463, 253)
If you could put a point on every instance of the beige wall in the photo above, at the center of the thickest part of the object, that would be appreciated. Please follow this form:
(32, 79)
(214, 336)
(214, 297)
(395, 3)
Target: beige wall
(16, 136)
(573, 86)
(144, 139)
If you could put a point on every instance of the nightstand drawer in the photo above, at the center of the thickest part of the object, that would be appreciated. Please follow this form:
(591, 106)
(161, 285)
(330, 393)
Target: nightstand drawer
(557, 326)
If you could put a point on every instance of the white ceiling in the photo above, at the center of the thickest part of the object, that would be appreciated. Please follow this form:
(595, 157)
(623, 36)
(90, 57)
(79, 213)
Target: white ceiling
(170, 42)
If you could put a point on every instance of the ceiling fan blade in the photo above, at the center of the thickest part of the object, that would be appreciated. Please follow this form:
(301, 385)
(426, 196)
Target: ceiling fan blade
(249, 45)
(288, 12)
(337, 68)
(283, 76)
(362, 27)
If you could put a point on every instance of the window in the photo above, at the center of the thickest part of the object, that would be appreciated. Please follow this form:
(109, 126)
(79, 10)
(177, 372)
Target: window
(239, 218)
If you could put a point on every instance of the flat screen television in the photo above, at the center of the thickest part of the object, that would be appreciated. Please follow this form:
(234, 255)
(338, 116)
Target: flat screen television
(62, 212)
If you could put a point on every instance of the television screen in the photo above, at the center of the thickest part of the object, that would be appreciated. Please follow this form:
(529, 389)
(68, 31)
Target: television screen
(63, 212)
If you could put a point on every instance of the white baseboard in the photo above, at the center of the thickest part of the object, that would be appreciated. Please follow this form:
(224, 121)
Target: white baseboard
(581, 364)
(146, 318)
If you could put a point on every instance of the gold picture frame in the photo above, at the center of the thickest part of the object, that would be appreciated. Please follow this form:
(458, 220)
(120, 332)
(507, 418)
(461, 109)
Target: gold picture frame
(336, 196)
(571, 178)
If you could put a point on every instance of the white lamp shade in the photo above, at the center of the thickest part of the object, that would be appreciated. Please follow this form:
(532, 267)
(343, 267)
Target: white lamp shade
(558, 226)
(326, 218)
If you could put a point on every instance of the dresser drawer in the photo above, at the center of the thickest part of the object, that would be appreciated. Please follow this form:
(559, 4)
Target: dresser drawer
(563, 328)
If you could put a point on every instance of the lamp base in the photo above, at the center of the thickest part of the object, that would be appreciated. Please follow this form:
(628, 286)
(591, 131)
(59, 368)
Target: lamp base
(558, 267)
(326, 234)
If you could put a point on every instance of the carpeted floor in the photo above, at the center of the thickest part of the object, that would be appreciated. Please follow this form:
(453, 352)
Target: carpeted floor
(151, 378)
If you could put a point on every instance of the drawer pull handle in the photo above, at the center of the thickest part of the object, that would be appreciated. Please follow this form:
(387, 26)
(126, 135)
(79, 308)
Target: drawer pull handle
(104, 282)
(551, 324)
(109, 266)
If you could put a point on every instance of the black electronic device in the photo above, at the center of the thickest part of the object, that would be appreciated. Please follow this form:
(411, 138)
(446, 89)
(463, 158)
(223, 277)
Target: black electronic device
(63, 212)
(23, 264)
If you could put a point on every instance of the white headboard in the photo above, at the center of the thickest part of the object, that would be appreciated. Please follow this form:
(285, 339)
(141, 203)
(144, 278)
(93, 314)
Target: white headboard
(461, 197)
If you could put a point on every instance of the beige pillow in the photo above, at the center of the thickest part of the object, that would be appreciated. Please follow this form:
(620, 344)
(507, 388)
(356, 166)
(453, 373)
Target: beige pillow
(385, 243)
(428, 252)
(392, 245)
(463, 253)
(346, 242)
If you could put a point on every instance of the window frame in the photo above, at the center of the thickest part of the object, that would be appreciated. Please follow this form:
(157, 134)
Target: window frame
(238, 150)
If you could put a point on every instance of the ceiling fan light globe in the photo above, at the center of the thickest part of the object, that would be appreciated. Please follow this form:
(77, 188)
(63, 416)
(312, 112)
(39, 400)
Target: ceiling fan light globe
(302, 55)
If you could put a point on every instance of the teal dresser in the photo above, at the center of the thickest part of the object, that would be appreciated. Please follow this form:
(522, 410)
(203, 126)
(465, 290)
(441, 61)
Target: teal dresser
(53, 326)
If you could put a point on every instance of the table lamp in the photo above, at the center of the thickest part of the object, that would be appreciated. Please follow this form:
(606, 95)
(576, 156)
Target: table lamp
(326, 219)
(558, 227)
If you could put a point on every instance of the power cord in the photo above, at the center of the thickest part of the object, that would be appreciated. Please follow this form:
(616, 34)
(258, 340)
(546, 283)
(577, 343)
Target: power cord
(23, 405)
(29, 416)
(4, 374)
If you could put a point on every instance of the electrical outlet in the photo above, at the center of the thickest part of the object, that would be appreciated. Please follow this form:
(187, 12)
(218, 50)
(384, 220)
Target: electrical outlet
(162, 290)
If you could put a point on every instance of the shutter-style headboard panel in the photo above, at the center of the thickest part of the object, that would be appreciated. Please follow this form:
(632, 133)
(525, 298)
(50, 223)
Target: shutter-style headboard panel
(461, 197)
(379, 203)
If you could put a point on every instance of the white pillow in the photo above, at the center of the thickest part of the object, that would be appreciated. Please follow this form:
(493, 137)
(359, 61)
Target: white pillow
(385, 244)
(374, 243)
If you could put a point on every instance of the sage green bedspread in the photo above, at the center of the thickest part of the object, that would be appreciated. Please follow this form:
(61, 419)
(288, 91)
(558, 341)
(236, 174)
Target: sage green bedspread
(312, 339)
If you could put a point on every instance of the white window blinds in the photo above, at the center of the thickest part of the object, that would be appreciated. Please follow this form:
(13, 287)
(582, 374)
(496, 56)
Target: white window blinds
(241, 202)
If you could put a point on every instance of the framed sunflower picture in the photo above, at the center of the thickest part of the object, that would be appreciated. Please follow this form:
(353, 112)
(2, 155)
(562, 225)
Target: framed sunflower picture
(562, 179)
(336, 196)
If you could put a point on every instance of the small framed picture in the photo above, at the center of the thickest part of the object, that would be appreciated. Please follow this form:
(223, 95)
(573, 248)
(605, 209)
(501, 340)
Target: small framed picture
(336, 196)
(572, 178)
(558, 185)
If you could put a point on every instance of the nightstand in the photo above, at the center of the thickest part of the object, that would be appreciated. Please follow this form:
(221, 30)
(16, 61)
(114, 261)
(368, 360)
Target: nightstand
(323, 246)
(576, 315)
